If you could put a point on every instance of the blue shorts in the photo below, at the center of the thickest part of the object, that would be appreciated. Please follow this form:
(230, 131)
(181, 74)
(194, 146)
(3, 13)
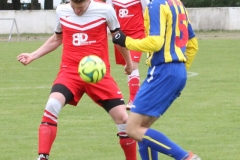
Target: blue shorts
(162, 86)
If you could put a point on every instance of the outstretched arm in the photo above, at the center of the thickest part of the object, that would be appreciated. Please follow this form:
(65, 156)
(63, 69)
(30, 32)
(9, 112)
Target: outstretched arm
(50, 45)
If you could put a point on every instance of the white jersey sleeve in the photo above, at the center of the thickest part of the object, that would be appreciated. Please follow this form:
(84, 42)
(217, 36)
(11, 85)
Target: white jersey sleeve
(144, 4)
(112, 21)
(109, 2)
(58, 27)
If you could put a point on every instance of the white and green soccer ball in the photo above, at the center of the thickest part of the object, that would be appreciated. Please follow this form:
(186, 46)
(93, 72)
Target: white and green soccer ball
(91, 69)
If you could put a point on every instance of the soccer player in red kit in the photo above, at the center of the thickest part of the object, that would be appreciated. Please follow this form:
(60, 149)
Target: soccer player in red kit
(130, 17)
(81, 27)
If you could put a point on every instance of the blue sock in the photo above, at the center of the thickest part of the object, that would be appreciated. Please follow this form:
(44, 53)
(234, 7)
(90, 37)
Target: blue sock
(161, 143)
(147, 153)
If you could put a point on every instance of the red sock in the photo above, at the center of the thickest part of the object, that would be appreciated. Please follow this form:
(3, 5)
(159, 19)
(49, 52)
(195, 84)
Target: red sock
(129, 147)
(133, 85)
(47, 134)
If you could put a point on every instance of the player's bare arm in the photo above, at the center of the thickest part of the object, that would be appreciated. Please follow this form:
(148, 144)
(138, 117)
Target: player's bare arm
(51, 44)
(126, 55)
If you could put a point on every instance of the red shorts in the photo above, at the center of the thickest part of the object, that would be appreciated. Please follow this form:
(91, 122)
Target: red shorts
(103, 90)
(135, 55)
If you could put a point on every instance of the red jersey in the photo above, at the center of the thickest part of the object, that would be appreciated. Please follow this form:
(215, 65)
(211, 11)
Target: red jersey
(130, 17)
(86, 34)
(129, 14)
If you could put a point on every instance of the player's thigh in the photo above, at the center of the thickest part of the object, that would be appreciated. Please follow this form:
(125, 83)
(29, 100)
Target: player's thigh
(70, 85)
(136, 120)
(62, 93)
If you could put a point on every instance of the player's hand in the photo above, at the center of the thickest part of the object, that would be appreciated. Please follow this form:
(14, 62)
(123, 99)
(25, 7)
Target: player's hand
(119, 38)
(128, 68)
(25, 58)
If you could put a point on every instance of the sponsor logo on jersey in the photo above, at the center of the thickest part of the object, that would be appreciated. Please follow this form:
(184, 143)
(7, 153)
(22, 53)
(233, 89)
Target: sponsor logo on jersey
(81, 39)
(123, 13)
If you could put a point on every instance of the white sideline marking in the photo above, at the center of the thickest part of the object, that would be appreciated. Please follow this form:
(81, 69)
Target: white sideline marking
(22, 88)
(190, 74)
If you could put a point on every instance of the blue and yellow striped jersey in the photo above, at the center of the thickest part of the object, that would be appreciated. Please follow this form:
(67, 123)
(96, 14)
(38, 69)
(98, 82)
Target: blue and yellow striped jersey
(168, 31)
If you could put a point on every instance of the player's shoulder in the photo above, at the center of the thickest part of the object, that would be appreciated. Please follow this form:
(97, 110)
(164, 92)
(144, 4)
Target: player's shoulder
(63, 7)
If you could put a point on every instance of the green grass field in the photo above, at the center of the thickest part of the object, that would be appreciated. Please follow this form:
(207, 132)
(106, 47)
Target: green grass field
(205, 119)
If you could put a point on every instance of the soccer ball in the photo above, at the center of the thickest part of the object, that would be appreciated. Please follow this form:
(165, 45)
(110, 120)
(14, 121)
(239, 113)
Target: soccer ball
(91, 69)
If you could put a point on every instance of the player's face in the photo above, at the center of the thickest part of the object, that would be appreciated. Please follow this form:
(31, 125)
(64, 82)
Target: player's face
(80, 8)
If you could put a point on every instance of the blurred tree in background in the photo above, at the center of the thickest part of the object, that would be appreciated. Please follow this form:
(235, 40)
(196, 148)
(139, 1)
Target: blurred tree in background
(3, 5)
(211, 3)
(48, 4)
(16, 4)
(35, 5)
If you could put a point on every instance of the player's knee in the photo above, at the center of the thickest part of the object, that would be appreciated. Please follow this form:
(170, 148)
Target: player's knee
(119, 114)
(53, 106)
(52, 110)
(131, 131)
(121, 119)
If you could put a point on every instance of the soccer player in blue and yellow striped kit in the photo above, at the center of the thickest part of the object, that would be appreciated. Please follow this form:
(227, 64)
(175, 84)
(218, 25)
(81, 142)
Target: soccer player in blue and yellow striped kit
(171, 46)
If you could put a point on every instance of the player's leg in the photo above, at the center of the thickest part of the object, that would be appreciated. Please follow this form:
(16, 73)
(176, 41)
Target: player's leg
(133, 84)
(133, 80)
(107, 94)
(146, 152)
(148, 107)
(116, 109)
(154, 139)
(48, 127)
